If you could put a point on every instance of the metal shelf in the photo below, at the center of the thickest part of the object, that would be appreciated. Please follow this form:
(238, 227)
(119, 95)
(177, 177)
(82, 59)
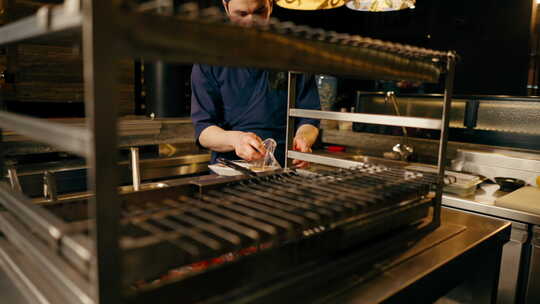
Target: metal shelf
(428, 123)
(280, 45)
(389, 120)
(72, 139)
(48, 20)
(73, 286)
(110, 31)
(323, 160)
(49, 228)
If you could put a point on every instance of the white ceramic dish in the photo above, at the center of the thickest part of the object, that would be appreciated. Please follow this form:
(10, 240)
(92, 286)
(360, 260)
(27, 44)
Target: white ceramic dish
(220, 169)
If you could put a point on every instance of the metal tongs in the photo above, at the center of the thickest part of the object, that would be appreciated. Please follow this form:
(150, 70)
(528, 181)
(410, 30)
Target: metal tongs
(237, 167)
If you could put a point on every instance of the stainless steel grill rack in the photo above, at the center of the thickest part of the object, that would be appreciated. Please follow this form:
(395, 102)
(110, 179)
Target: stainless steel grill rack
(91, 257)
(183, 225)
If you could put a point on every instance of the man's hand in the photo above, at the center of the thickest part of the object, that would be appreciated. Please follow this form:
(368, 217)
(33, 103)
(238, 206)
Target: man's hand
(302, 145)
(248, 146)
(304, 139)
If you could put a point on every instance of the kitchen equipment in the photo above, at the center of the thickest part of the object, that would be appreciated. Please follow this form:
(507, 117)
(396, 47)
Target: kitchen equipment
(200, 220)
(292, 221)
(509, 184)
(475, 119)
(493, 163)
(515, 262)
(458, 183)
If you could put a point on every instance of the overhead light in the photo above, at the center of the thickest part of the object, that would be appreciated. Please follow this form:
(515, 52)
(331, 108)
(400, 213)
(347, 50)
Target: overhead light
(310, 5)
(381, 5)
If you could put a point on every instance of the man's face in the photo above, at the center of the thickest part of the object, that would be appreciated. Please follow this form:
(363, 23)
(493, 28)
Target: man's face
(243, 12)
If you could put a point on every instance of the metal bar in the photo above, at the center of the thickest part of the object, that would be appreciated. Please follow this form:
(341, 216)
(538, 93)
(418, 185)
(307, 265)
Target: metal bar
(447, 105)
(13, 176)
(291, 104)
(100, 60)
(171, 220)
(180, 209)
(231, 203)
(49, 186)
(135, 168)
(320, 206)
(157, 236)
(34, 285)
(270, 192)
(275, 46)
(175, 232)
(324, 195)
(247, 200)
(215, 207)
(44, 224)
(324, 160)
(389, 120)
(71, 139)
(77, 249)
(2, 156)
(162, 228)
(47, 20)
(72, 285)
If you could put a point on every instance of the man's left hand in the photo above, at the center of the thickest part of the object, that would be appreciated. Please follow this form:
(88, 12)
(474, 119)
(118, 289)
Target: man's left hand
(304, 139)
(301, 144)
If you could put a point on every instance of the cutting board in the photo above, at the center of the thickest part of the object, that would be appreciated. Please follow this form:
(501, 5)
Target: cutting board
(524, 199)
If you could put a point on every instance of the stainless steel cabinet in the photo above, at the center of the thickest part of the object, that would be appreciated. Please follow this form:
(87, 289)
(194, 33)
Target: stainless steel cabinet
(514, 255)
(532, 289)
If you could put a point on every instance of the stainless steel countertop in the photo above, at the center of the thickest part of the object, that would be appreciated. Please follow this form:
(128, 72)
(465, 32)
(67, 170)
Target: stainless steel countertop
(484, 207)
(478, 233)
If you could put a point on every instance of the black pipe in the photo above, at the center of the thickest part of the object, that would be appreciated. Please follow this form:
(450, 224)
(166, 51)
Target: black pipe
(165, 90)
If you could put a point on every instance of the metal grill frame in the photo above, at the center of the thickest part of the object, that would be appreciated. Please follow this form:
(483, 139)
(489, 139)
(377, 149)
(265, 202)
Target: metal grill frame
(443, 125)
(98, 142)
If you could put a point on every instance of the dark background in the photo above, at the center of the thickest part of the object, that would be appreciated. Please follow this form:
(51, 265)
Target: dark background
(491, 37)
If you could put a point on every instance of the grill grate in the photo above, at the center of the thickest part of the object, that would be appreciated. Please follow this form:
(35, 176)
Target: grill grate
(266, 211)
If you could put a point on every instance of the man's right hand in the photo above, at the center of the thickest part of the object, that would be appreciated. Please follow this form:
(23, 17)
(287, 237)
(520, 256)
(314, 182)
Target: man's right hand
(249, 146)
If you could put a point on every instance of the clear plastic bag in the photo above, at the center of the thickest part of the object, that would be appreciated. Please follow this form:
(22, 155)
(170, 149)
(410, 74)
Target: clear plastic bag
(269, 160)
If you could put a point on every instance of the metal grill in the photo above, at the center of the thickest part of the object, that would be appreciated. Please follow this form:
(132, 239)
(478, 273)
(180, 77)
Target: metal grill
(194, 11)
(269, 211)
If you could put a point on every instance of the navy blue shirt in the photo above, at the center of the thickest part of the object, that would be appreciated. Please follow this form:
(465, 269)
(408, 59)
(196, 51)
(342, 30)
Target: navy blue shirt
(249, 100)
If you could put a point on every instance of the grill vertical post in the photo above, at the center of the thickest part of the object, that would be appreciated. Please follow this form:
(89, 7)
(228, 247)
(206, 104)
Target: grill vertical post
(291, 104)
(100, 59)
(447, 105)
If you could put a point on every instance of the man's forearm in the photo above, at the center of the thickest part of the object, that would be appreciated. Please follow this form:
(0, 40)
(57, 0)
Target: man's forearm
(217, 139)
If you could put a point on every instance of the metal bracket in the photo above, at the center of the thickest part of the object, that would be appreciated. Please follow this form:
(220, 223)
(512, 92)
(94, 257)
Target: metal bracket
(14, 179)
(291, 104)
(471, 113)
(72, 6)
(135, 168)
(50, 191)
(44, 17)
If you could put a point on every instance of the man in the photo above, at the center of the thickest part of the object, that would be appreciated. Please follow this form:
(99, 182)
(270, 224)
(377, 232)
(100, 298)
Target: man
(234, 109)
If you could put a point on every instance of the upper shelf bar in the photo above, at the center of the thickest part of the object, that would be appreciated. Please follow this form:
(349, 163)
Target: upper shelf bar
(206, 36)
(47, 20)
(71, 139)
(278, 45)
(388, 120)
